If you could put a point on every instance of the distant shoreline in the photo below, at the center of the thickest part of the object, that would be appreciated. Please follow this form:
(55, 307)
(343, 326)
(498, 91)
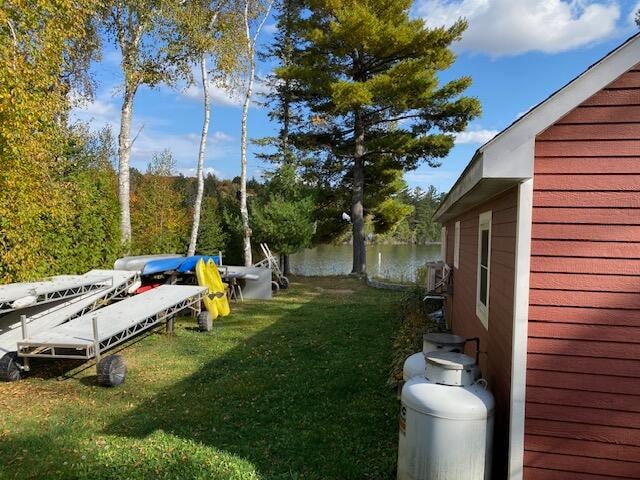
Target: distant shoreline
(427, 244)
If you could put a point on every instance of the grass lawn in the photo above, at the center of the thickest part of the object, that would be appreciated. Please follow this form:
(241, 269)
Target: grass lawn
(292, 388)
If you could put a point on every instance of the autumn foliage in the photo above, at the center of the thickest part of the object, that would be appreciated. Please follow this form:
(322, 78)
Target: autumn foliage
(38, 199)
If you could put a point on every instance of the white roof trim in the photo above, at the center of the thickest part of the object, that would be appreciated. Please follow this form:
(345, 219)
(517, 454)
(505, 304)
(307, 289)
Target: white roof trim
(510, 153)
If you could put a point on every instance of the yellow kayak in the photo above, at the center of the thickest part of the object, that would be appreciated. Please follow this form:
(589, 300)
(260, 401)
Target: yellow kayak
(208, 276)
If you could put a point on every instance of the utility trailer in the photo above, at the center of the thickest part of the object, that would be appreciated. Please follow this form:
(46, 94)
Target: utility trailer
(114, 285)
(90, 335)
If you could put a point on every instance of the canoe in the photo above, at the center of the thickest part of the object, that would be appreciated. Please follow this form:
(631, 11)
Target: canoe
(137, 263)
(162, 265)
(189, 265)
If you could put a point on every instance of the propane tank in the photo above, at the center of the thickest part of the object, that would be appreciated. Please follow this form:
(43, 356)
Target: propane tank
(415, 364)
(446, 422)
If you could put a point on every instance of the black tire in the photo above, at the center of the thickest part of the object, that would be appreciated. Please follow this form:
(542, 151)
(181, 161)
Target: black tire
(112, 371)
(275, 288)
(205, 323)
(9, 367)
(284, 283)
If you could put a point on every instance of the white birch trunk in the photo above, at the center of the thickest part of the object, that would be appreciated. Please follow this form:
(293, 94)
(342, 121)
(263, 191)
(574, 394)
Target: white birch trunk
(201, 153)
(244, 212)
(124, 155)
(251, 44)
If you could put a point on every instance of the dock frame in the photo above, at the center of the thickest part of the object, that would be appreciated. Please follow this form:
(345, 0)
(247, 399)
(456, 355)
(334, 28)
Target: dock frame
(68, 292)
(87, 350)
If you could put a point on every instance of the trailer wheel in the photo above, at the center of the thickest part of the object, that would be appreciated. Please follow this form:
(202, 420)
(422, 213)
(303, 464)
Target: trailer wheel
(205, 323)
(283, 282)
(9, 367)
(112, 371)
(275, 287)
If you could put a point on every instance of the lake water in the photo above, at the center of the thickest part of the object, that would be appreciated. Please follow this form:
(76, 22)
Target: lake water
(399, 262)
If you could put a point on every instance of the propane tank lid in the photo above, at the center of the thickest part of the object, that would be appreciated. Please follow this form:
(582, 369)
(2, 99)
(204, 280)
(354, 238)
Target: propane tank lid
(443, 338)
(472, 402)
(450, 360)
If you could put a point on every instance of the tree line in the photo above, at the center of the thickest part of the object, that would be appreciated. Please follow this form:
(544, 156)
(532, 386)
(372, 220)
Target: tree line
(355, 91)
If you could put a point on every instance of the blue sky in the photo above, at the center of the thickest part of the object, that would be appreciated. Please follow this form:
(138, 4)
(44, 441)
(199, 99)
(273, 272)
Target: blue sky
(517, 51)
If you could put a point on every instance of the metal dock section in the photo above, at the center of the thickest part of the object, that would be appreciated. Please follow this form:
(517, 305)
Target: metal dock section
(40, 318)
(89, 335)
(21, 295)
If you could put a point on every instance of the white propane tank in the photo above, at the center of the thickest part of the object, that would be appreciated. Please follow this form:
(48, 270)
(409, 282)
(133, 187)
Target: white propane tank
(415, 364)
(446, 422)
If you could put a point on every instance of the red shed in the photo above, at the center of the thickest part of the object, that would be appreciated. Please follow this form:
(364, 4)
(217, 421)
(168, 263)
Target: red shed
(543, 232)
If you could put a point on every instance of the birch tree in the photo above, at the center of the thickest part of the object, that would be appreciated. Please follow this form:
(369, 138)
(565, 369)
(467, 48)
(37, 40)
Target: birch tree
(139, 29)
(255, 15)
(197, 207)
(209, 31)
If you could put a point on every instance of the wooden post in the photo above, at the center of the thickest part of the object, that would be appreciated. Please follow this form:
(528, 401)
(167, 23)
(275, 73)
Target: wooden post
(379, 263)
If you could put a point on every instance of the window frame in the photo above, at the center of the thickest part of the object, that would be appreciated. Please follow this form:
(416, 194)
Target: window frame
(482, 309)
(456, 245)
(443, 243)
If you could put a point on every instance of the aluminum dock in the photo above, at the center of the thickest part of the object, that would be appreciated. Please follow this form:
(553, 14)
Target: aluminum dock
(114, 285)
(87, 336)
(21, 295)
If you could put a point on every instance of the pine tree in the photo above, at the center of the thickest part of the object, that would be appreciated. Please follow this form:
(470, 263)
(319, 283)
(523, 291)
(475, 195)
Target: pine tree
(369, 78)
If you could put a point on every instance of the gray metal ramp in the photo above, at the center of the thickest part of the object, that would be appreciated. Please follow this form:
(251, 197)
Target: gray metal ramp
(15, 296)
(90, 334)
(43, 317)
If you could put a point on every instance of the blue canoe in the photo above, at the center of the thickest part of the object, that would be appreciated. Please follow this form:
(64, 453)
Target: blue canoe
(162, 265)
(189, 264)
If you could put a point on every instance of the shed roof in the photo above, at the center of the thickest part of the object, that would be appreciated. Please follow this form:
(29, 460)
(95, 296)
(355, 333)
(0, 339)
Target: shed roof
(507, 158)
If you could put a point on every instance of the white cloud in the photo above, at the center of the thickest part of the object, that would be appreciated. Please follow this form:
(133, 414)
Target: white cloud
(100, 107)
(183, 147)
(191, 172)
(511, 27)
(270, 28)
(112, 57)
(152, 139)
(101, 111)
(480, 136)
(226, 96)
(429, 177)
(632, 14)
(524, 112)
(219, 96)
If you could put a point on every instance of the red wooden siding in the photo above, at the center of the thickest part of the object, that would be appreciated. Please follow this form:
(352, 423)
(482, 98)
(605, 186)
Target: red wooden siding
(495, 343)
(583, 369)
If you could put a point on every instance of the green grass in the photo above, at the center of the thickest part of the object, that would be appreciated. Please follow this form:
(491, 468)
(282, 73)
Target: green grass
(293, 388)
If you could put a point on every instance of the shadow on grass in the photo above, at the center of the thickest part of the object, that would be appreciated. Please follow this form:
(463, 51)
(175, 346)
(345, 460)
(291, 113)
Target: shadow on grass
(303, 398)
(298, 394)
